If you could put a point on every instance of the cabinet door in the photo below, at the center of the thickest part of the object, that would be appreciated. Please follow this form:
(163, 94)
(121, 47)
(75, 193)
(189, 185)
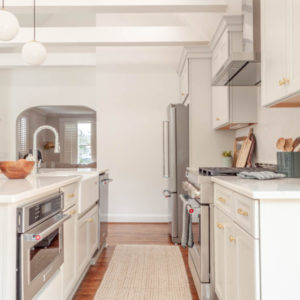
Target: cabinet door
(294, 47)
(220, 106)
(247, 266)
(93, 231)
(274, 50)
(219, 229)
(230, 263)
(70, 245)
(82, 244)
(184, 82)
(220, 53)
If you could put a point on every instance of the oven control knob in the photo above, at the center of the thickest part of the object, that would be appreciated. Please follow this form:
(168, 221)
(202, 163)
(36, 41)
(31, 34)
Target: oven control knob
(37, 237)
(191, 210)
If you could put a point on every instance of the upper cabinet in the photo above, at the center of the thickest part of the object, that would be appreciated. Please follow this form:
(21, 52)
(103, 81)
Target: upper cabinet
(280, 53)
(184, 82)
(234, 107)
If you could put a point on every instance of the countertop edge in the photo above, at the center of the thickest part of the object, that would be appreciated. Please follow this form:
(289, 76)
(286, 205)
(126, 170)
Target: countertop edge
(258, 195)
(12, 199)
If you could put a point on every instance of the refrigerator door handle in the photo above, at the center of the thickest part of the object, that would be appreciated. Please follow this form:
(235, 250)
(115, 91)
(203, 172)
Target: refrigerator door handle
(165, 128)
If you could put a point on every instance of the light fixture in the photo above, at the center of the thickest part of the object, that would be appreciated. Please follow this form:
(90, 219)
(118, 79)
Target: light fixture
(9, 25)
(34, 52)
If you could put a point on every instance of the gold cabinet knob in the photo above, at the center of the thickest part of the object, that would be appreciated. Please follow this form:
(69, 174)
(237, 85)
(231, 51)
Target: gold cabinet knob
(221, 200)
(232, 238)
(217, 119)
(242, 212)
(71, 195)
(72, 212)
(281, 82)
(284, 81)
(220, 226)
(91, 220)
(182, 94)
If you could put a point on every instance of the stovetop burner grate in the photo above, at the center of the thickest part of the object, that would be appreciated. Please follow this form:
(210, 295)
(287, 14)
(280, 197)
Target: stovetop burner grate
(227, 171)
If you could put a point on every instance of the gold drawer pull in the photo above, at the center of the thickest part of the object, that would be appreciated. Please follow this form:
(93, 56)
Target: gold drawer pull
(242, 212)
(232, 238)
(72, 212)
(281, 82)
(221, 200)
(91, 220)
(71, 195)
(217, 119)
(220, 226)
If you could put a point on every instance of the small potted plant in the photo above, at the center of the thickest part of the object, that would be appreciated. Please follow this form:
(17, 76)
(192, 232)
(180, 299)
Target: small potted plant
(227, 159)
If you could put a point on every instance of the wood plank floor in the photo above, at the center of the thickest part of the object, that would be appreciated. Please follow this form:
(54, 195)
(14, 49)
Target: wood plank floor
(127, 233)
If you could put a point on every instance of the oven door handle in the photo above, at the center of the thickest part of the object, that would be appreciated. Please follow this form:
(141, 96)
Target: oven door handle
(33, 236)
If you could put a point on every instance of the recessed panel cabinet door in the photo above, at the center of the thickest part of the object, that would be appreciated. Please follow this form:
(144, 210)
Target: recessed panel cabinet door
(82, 244)
(93, 231)
(219, 229)
(70, 246)
(274, 50)
(294, 47)
(220, 106)
(247, 250)
(230, 263)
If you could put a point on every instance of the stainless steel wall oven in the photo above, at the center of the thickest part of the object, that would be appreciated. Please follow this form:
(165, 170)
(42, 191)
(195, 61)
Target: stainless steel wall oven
(39, 243)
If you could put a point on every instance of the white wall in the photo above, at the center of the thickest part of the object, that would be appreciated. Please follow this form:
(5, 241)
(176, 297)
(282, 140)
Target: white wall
(135, 85)
(22, 88)
(273, 123)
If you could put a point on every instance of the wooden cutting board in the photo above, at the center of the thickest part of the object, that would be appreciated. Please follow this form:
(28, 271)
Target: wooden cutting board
(237, 148)
(244, 152)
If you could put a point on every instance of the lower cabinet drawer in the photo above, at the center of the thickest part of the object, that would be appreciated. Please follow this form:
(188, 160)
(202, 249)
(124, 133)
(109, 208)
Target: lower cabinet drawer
(70, 195)
(223, 199)
(246, 214)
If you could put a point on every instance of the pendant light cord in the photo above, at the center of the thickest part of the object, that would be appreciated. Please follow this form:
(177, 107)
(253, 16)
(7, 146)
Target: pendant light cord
(33, 20)
(2, 4)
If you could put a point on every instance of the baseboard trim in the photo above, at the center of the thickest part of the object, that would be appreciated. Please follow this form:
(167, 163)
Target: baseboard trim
(126, 218)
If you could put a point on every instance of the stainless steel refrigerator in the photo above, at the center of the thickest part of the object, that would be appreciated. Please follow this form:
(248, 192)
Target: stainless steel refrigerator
(175, 162)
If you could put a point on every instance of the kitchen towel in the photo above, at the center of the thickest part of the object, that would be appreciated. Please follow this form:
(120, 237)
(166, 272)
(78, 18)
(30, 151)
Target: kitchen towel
(264, 175)
(187, 238)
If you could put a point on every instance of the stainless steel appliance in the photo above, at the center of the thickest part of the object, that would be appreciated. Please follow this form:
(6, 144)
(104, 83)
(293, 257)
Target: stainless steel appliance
(39, 243)
(103, 208)
(201, 256)
(175, 161)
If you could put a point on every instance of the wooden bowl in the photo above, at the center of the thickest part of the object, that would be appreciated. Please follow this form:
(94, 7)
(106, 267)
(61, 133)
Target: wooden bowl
(19, 169)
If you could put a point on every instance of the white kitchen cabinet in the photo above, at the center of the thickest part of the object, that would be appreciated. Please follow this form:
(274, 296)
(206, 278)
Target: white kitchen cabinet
(236, 260)
(184, 82)
(234, 107)
(70, 250)
(89, 193)
(93, 231)
(219, 233)
(280, 53)
(82, 244)
(52, 290)
(247, 265)
(87, 238)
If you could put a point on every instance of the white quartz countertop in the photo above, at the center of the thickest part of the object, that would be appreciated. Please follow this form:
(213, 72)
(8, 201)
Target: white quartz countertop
(15, 190)
(285, 188)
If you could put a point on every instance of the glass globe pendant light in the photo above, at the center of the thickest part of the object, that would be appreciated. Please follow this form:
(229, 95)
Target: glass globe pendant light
(34, 52)
(9, 25)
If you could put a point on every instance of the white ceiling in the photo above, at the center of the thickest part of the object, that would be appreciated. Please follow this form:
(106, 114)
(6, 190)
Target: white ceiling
(175, 23)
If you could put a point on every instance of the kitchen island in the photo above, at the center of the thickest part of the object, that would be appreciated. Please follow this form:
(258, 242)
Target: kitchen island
(257, 242)
(78, 234)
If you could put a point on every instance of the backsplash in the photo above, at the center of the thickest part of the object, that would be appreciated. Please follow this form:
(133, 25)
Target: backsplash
(273, 123)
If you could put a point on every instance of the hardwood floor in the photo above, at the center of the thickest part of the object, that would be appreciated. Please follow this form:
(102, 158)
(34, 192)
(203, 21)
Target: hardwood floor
(127, 233)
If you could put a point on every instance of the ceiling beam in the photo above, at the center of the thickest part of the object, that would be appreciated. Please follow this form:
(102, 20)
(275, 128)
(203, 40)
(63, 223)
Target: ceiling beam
(12, 60)
(110, 36)
(119, 6)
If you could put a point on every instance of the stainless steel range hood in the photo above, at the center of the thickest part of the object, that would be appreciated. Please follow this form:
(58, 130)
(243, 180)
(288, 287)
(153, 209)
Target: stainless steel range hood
(242, 68)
